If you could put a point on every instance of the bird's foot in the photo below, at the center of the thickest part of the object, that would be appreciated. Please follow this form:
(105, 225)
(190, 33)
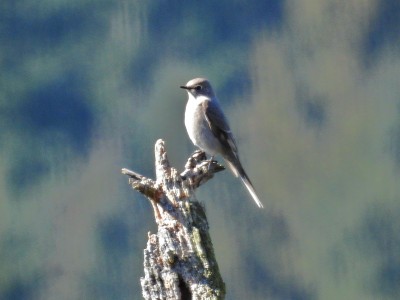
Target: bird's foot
(196, 158)
(199, 155)
(210, 162)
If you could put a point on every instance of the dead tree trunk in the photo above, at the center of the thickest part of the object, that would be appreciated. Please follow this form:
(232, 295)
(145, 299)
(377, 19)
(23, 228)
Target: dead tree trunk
(179, 261)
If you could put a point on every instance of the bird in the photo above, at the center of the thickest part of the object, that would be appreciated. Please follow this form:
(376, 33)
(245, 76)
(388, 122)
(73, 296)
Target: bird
(209, 130)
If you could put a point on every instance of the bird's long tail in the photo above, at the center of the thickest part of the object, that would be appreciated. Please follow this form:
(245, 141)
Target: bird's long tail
(251, 190)
(238, 170)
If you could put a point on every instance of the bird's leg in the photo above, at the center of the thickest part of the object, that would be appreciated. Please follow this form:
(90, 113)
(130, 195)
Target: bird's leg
(210, 162)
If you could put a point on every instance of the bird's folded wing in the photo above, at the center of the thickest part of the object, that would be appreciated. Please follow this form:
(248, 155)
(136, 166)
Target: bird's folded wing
(219, 125)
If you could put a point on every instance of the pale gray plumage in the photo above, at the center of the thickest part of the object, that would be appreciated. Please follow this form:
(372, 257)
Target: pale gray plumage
(209, 130)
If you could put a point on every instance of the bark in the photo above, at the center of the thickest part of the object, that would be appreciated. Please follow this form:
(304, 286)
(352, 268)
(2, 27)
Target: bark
(179, 261)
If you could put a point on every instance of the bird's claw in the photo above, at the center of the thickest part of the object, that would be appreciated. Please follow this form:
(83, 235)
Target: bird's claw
(209, 163)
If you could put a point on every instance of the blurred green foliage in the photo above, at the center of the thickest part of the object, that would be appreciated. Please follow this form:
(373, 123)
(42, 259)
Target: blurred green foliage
(311, 91)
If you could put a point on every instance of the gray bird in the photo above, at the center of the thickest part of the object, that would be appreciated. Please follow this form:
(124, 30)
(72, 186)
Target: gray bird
(209, 130)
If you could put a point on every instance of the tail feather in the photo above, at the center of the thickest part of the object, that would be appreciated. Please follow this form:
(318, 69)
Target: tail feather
(233, 168)
(251, 190)
(238, 170)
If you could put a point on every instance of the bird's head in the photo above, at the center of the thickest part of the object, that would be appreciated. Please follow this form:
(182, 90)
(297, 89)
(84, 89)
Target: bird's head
(199, 87)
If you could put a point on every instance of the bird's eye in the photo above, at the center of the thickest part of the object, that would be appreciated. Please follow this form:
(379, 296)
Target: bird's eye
(198, 87)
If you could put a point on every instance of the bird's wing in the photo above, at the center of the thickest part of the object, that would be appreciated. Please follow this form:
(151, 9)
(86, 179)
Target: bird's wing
(219, 125)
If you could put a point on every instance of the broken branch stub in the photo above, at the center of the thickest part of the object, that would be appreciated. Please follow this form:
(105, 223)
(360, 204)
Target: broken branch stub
(179, 261)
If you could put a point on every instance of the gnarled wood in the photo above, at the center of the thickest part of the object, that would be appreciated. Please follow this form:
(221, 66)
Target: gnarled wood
(179, 261)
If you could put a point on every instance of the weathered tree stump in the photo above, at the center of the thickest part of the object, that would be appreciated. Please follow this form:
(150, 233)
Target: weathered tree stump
(179, 261)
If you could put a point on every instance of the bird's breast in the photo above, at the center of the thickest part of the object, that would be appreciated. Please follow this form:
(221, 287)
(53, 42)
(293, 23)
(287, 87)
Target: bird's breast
(198, 128)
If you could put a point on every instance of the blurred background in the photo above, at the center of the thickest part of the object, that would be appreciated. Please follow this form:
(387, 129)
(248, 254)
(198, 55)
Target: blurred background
(312, 92)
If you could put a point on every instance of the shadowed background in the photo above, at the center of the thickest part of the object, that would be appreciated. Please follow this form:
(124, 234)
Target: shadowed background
(311, 89)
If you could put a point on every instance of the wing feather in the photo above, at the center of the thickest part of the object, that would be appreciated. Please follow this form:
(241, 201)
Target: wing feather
(219, 125)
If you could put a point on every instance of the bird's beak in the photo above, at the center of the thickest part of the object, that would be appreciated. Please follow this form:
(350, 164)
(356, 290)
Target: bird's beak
(184, 87)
